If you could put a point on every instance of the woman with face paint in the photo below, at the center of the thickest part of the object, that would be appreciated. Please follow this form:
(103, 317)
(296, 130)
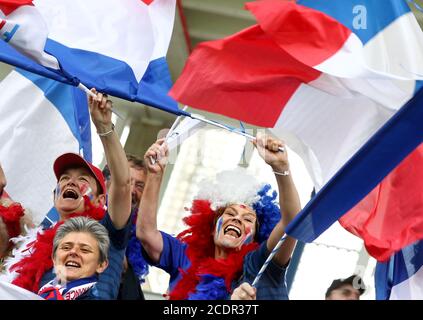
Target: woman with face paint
(234, 225)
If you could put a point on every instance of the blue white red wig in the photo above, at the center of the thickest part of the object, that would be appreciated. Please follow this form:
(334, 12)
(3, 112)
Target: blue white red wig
(240, 187)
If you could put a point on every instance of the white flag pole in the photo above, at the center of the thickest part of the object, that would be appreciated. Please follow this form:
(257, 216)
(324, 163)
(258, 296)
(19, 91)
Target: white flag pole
(169, 133)
(88, 91)
(222, 126)
(269, 258)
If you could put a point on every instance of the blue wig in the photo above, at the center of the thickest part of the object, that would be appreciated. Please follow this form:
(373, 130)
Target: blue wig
(268, 212)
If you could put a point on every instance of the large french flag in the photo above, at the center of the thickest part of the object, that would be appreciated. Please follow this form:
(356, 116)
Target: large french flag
(337, 81)
(118, 47)
(401, 277)
(390, 216)
(39, 120)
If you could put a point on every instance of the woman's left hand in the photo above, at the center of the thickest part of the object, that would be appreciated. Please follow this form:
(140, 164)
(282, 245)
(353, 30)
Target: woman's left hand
(268, 148)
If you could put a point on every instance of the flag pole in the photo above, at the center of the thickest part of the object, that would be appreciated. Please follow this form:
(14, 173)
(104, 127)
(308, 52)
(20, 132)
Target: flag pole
(269, 258)
(88, 91)
(172, 128)
(222, 126)
(169, 133)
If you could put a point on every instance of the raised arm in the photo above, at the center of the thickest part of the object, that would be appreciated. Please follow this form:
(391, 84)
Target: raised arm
(289, 200)
(147, 231)
(119, 194)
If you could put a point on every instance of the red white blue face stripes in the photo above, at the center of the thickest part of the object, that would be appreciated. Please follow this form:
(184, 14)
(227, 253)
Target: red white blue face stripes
(218, 228)
(86, 190)
(248, 236)
(57, 191)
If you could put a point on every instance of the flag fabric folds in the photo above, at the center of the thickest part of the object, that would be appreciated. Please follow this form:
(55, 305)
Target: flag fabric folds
(401, 277)
(332, 80)
(384, 151)
(393, 209)
(23, 27)
(117, 47)
(9, 291)
(39, 120)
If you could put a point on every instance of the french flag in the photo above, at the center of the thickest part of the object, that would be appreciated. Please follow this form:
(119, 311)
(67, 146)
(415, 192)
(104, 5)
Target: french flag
(23, 27)
(39, 120)
(337, 81)
(118, 47)
(401, 277)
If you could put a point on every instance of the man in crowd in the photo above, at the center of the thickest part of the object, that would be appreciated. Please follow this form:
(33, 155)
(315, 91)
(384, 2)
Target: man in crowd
(350, 288)
(135, 268)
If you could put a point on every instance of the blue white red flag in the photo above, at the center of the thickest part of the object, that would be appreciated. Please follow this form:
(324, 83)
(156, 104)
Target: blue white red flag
(401, 277)
(118, 47)
(333, 80)
(39, 120)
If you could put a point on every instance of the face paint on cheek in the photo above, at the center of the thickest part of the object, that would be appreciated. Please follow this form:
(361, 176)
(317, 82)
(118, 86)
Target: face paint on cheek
(248, 237)
(57, 191)
(87, 191)
(219, 224)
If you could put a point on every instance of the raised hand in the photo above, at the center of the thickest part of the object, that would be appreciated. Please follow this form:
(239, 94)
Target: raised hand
(101, 112)
(156, 157)
(244, 292)
(268, 148)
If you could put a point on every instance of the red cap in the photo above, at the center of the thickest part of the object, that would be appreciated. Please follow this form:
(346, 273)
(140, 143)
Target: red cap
(68, 160)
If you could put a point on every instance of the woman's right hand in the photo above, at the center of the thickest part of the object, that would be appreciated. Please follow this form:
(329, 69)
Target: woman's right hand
(244, 292)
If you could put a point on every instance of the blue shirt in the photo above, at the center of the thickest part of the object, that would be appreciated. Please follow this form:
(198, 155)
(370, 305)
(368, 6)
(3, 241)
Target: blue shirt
(271, 286)
(107, 286)
(172, 258)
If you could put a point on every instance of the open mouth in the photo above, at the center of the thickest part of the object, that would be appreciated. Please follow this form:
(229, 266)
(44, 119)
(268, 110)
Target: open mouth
(232, 231)
(70, 194)
(72, 264)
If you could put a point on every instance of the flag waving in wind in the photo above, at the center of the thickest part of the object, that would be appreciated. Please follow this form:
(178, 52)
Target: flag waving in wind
(39, 120)
(401, 277)
(392, 209)
(336, 80)
(118, 47)
(23, 27)
(260, 70)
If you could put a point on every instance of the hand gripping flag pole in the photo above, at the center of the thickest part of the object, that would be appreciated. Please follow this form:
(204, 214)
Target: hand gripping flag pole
(88, 91)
